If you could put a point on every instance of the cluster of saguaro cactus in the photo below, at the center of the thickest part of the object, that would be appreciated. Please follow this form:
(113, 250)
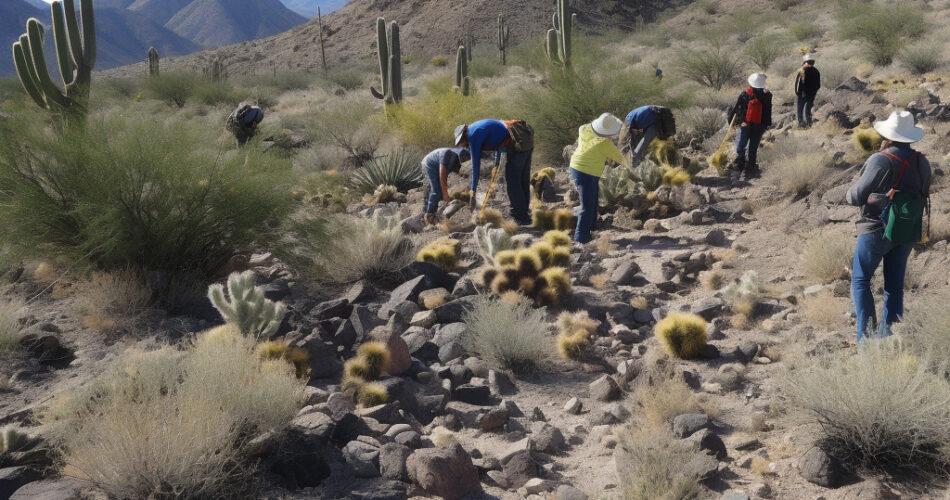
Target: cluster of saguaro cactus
(153, 62)
(390, 62)
(503, 33)
(247, 307)
(463, 83)
(75, 53)
(558, 46)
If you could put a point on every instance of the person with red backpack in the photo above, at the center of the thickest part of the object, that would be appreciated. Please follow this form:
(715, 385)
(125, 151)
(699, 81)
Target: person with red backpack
(753, 114)
(892, 190)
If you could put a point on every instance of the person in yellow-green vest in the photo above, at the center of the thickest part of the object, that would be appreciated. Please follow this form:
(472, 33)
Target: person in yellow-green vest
(594, 148)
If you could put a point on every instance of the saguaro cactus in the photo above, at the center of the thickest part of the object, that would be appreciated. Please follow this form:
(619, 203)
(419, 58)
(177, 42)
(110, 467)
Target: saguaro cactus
(216, 70)
(75, 53)
(247, 307)
(323, 52)
(470, 46)
(390, 62)
(463, 83)
(153, 62)
(503, 33)
(558, 46)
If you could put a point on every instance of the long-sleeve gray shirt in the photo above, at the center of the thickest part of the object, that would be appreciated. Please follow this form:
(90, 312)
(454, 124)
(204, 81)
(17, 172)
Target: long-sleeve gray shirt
(877, 177)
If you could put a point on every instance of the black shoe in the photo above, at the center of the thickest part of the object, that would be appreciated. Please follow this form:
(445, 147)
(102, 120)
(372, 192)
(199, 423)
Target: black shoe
(753, 172)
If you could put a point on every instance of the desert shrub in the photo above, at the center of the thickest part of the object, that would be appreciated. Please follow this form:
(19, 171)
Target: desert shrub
(286, 81)
(508, 336)
(124, 88)
(764, 50)
(10, 311)
(882, 28)
(118, 296)
(715, 67)
(439, 61)
(804, 32)
(130, 193)
(880, 407)
(428, 121)
(786, 4)
(443, 253)
(662, 394)
(342, 249)
(653, 464)
(799, 166)
(702, 123)
(925, 328)
(173, 87)
(345, 135)
(834, 72)
(485, 68)
(347, 78)
(827, 256)
(214, 93)
(399, 169)
(174, 423)
(867, 140)
(567, 100)
(683, 335)
(923, 58)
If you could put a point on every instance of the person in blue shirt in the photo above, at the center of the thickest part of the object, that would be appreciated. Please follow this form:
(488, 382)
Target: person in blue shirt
(638, 132)
(437, 166)
(493, 135)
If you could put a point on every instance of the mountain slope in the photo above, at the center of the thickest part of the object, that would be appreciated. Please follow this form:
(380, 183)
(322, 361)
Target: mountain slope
(234, 20)
(159, 11)
(124, 37)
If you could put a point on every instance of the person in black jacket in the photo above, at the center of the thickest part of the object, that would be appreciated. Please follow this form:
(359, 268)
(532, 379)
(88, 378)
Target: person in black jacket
(807, 84)
(753, 114)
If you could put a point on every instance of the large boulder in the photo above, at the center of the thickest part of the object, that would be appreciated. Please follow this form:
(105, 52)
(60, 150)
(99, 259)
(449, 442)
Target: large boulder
(445, 472)
(819, 468)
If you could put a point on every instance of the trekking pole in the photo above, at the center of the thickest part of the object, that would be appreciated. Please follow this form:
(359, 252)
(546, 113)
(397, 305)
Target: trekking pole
(491, 187)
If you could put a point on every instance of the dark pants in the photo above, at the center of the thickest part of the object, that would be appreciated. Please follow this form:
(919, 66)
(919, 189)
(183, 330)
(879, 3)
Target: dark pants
(433, 190)
(589, 188)
(804, 104)
(750, 137)
(870, 251)
(518, 183)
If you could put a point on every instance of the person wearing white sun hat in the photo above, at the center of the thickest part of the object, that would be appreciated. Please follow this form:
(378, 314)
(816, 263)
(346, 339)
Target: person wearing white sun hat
(892, 191)
(594, 148)
(753, 114)
(807, 85)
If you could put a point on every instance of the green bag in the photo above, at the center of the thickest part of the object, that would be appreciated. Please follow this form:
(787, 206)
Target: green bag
(903, 217)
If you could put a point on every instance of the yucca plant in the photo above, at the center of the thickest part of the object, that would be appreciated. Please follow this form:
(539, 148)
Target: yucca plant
(400, 169)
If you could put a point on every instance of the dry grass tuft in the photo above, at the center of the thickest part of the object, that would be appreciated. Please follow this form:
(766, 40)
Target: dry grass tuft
(827, 256)
(663, 395)
(925, 328)
(509, 336)
(797, 173)
(652, 464)
(712, 280)
(640, 302)
(113, 299)
(761, 466)
(826, 311)
(10, 311)
(604, 245)
(174, 422)
(599, 281)
(45, 273)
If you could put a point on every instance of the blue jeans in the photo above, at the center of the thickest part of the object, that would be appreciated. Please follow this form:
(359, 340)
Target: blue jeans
(804, 104)
(749, 138)
(433, 190)
(589, 188)
(870, 251)
(518, 183)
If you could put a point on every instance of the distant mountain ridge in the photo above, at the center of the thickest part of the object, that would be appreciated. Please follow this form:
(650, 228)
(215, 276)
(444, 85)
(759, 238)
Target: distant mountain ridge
(127, 28)
(308, 8)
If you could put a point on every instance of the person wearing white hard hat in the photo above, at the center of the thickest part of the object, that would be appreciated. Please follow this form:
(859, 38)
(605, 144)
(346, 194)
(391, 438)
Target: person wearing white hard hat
(807, 84)
(892, 191)
(594, 147)
(753, 114)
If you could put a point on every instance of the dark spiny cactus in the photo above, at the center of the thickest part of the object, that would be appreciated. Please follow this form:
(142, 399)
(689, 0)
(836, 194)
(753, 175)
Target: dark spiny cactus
(75, 53)
(503, 33)
(323, 53)
(216, 70)
(559, 46)
(390, 62)
(470, 46)
(463, 83)
(153, 62)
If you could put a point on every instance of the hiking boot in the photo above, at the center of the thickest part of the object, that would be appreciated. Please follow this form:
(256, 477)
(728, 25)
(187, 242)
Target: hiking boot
(753, 172)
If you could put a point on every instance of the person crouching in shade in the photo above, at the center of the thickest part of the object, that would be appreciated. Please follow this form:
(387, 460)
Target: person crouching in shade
(437, 166)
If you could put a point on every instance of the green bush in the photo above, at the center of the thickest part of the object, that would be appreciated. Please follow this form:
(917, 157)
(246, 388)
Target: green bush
(345, 78)
(427, 122)
(923, 58)
(566, 101)
(763, 51)
(485, 68)
(715, 67)
(804, 32)
(172, 87)
(214, 93)
(133, 193)
(883, 29)
(401, 169)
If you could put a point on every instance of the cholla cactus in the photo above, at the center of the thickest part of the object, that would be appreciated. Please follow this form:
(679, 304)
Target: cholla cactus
(489, 241)
(15, 439)
(649, 175)
(743, 295)
(617, 187)
(247, 307)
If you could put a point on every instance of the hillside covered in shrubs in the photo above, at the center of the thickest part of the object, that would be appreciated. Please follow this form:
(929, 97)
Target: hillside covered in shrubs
(184, 318)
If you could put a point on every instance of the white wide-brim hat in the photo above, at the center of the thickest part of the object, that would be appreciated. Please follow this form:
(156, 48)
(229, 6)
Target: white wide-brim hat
(607, 125)
(757, 80)
(808, 57)
(900, 127)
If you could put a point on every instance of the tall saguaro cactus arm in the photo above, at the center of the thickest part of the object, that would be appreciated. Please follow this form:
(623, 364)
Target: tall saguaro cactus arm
(462, 82)
(503, 33)
(559, 42)
(154, 68)
(390, 62)
(75, 52)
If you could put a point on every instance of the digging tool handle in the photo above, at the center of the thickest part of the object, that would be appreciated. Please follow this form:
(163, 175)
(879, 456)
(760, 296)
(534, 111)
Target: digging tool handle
(725, 139)
(491, 187)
